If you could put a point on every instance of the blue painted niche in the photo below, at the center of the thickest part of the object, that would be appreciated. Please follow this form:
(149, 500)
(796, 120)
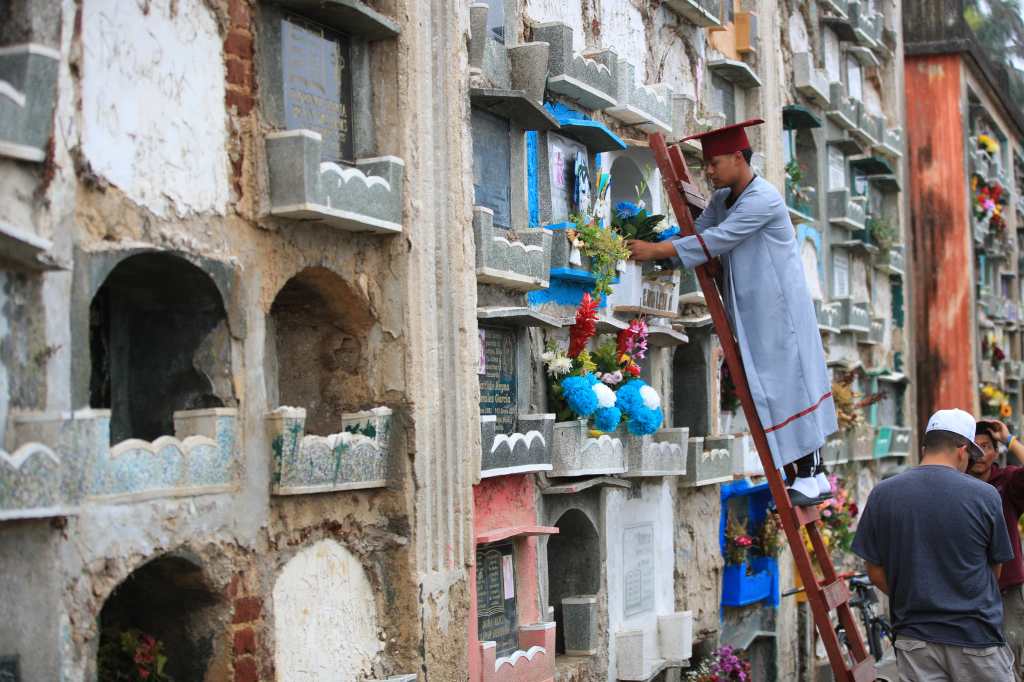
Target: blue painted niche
(762, 583)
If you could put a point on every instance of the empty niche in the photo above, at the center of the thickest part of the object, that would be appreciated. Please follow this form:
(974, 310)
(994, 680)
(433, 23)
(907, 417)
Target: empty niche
(165, 607)
(691, 381)
(319, 327)
(626, 178)
(159, 342)
(574, 565)
(325, 621)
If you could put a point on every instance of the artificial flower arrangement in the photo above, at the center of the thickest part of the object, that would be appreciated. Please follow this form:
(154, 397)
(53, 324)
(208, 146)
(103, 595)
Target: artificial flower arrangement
(794, 178)
(603, 385)
(988, 201)
(131, 656)
(849, 403)
(995, 403)
(991, 351)
(724, 665)
(838, 517)
(883, 234)
(738, 542)
(633, 221)
(988, 144)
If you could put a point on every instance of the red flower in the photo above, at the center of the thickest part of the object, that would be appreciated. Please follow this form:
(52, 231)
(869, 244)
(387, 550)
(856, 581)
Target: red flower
(633, 369)
(585, 326)
(853, 509)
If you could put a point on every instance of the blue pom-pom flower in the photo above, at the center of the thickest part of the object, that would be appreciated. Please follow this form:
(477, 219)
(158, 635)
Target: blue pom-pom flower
(579, 394)
(641, 406)
(607, 419)
(670, 233)
(626, 209)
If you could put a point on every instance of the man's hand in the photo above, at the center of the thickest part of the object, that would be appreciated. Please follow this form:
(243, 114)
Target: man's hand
(641, 250)
(999, 429)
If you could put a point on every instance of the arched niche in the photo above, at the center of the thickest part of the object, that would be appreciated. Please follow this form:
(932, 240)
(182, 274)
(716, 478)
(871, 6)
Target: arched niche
(693, 379)
(170, 600)
(159, 342)
(325, 619)
(317, 334)
(574, 564)
(626, 176)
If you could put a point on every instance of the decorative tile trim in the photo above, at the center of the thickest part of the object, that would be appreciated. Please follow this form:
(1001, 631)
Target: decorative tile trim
(709, 460)
(306, 464)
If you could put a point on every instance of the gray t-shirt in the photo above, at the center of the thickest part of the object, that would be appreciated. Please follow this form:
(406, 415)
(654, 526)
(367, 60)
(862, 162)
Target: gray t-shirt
(936, 532)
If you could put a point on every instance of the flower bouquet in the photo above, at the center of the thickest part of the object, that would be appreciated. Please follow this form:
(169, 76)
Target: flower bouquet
(737, 542)
(995, 403)
(725, 665)
(603, 385)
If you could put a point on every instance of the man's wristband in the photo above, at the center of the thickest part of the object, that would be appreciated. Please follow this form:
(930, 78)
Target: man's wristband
(1009, 442)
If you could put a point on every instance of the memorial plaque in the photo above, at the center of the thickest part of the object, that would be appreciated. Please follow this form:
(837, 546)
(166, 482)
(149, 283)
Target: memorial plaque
(854, 78)
(498, 379)
(492, 162)
(317, 84)
(724, 98)
(495, 609)
(9, 669)
(638, 569)
(840, 274)
(836, 168)
(562, 173)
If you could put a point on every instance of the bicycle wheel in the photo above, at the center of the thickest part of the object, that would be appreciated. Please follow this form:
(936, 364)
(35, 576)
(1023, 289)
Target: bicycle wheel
(875, 639)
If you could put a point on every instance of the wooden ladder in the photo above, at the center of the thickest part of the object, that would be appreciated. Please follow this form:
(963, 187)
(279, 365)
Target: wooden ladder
(830, 593)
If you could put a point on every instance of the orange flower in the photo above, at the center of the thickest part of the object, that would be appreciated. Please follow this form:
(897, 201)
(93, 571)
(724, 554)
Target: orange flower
(1005, 410)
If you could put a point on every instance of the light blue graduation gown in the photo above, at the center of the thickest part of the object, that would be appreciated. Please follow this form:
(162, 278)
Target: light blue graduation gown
(771, 313)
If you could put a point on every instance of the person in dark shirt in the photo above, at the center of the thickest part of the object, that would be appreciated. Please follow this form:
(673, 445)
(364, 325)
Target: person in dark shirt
(933, 539)
(1009, 482)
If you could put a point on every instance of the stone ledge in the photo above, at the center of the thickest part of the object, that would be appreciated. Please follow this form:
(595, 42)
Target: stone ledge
(576, 453)
(649, 107)
(516, 259)
(661, 454)
(516, 453)
(709, 460)
(810, 82)
(351, 459)
(28, 96)
(587, 78)
(366, 197)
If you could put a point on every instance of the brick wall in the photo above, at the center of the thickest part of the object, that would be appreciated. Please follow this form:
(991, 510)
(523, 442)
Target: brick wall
(240, 87)
(250, 660)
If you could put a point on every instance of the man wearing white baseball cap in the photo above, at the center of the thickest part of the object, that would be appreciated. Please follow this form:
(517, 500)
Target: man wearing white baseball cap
(934, 540)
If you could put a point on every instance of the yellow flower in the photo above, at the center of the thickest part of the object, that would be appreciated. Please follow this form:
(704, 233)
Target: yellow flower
(990, 145)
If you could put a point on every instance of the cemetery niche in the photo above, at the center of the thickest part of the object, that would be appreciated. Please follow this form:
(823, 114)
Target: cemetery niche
(318, 329)
(588, 78)
(159, 342)
(574, 572)
(512, 442)
(648, 634)
(317, 91)
(166, 607)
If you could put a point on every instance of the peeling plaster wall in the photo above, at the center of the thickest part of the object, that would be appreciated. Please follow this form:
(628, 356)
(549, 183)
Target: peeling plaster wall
(154, 123)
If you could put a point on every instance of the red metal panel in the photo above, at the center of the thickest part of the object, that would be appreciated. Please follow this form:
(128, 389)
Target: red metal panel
(943, 251)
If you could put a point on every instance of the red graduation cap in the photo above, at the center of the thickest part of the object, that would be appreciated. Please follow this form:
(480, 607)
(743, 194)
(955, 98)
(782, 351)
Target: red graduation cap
(731, 138)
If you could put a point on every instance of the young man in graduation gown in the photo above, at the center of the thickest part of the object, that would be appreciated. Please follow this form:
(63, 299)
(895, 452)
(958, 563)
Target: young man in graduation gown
(746, 225)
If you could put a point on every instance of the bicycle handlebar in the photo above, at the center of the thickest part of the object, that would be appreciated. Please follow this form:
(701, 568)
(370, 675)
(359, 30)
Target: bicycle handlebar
(849, 575)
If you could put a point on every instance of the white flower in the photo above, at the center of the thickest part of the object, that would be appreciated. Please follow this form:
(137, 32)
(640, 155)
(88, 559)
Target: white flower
(650, 397)
(661, 226)
(559, 366)
(605, 395)
(547, 356)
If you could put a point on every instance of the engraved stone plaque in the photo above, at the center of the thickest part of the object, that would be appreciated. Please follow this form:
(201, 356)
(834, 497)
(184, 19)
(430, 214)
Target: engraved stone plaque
(317, 84)
(491, 165)
(498, 381)
(496, 611)
(638, 569)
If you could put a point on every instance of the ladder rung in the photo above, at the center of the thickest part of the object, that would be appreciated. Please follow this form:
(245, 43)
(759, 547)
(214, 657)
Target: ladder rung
(805, 516)
(835, 594)
(864, 671)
